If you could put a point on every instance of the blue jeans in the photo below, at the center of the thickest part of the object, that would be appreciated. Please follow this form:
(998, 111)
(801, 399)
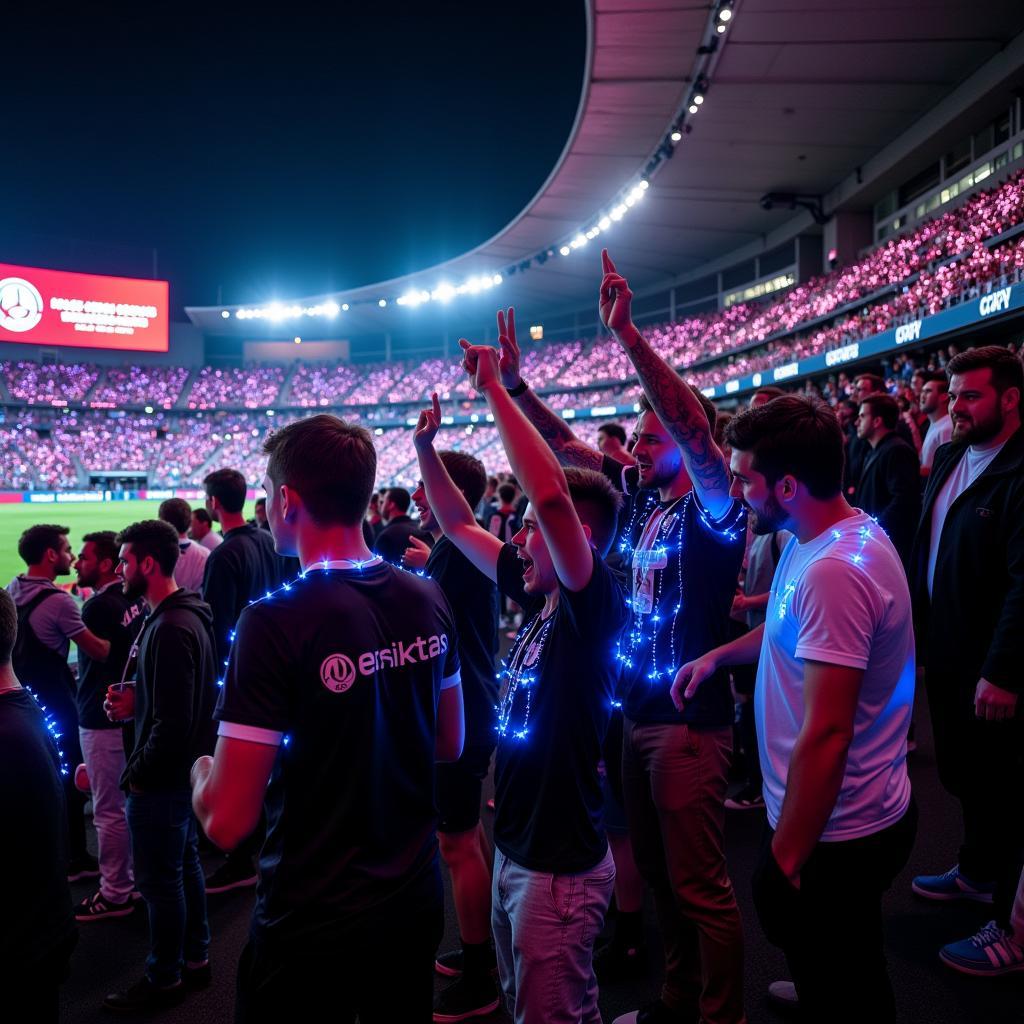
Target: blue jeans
(167, 873)
(544, 930)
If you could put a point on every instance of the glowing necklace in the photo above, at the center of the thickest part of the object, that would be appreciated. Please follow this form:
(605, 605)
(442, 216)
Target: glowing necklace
(518, 672)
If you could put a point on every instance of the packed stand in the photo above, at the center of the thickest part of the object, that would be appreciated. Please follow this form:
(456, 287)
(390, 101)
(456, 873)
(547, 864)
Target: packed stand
(47, 383)
(140, 385)
(251, 387)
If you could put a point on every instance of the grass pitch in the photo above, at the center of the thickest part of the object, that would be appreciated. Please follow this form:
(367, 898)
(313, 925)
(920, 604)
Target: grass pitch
(82, 518)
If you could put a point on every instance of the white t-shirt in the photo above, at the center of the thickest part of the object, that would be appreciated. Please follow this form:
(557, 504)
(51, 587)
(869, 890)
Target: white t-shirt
(939, 432)
(841, 598)
(188, 571)
(973, 463)
(211, 540)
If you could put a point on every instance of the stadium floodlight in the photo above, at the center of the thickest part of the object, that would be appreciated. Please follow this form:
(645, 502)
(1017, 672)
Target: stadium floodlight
(725, 13)
(693, 108)
(698, 98)
(332, 309)
(382, 303)
(149, 410)
(565, 250)
(225, 314)
(497, 279)
(676, 136)
(644, 184)
(604, 223)
(297, 340)
(344, 307)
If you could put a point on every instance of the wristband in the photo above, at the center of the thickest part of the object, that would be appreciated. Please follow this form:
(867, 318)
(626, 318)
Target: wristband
(518, 389)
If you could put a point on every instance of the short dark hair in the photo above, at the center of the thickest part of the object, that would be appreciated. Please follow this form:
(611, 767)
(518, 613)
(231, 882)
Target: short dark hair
(203, 516)
(706, 404)
(467, 473)
(877, 384)
(332, 464)
(8, 626)
(261, 503)
(1006, 368)
(400, 497)
(37, 540)
(105, 543)
(886, 408)
(793, 434)
(228, 487)
(177, 512)
(492, 481)
(152, 538)
(507, 493)
(615, 430)
(938, 377)
(722, 420)
(597, 503)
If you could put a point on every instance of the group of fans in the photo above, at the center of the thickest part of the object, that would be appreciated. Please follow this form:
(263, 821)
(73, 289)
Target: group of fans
(317, 690)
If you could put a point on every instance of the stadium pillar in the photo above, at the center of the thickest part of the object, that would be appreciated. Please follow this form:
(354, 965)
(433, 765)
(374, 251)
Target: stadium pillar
(848, 233)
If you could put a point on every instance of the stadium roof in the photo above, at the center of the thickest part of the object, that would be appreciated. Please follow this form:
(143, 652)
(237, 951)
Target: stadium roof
(800, 94)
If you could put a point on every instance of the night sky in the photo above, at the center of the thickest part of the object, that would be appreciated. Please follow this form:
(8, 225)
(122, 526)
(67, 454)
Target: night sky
(280, 156)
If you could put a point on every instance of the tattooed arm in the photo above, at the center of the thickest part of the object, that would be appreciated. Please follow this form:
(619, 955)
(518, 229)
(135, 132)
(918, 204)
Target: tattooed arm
(568, 448)
(674, 401)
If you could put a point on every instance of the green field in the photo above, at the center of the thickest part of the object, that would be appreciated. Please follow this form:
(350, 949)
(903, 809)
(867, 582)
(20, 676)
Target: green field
(81, 517)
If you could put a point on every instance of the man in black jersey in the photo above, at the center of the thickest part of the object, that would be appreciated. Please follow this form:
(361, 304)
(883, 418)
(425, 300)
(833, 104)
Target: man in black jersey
(115, 617)
(464, 845)
(553, 872)
(38, 934)
(241, 569)
(683, 544)
(342, 689)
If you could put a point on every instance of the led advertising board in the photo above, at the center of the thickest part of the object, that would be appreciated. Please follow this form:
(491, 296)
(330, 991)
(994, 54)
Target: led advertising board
(59, 308)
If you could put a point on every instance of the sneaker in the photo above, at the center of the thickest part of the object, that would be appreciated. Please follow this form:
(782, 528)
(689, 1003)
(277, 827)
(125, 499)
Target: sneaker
(989, 953)
(195, 976)
(747, 799)
(85, 866)
(144, 995)
(452, 964)
(97, 906)
(231, 875)
(617, 961)
(466, 998)
(952, 886)
(782, 995)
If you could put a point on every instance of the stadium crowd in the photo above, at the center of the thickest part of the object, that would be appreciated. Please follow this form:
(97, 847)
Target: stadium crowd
(316, 692)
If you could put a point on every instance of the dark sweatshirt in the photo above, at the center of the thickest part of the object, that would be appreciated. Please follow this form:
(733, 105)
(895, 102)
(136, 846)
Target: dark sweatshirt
(175, 694)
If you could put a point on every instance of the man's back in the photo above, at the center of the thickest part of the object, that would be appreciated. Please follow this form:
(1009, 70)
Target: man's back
(394, 539)
(344, 670)
(191, 565)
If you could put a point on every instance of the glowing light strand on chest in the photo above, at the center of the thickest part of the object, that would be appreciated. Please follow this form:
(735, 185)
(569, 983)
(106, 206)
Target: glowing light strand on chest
(53, 727)
(516, 675)
(865, 533)
(666, 540)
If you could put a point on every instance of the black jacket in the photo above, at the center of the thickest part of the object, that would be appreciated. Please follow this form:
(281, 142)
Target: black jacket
(394, 539)
(890, 490)
(245, 566)
(175, 694)
(974, 628)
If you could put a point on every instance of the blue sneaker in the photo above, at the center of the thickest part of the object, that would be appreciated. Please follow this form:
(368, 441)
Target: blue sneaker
(989, 953)
(952, 886)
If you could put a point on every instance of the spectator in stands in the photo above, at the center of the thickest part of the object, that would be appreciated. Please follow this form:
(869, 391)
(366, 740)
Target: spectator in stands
(259, 513)
(464, 845)
(349, 908)
(39, 932)
(110, 614)
(676, 806)
(611, 441)
(192, 555)
(394, 538)
(373, 517)
(969, 601)
(889, 487)
(48, 619)
(243, 568)
(202, 529)
(935, 405)
(547, 790)
(489, 501)
(503, 521)
(835, 692)
(172, 705)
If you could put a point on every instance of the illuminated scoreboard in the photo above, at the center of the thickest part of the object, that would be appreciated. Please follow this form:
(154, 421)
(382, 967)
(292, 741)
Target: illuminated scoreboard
(56, 307)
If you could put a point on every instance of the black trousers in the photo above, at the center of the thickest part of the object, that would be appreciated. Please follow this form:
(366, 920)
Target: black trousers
(982, 764)
(831, 927)
(382, 970)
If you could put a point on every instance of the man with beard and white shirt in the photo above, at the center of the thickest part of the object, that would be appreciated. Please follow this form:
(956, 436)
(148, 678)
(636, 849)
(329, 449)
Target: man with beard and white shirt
(935, 405)
(968, 572)
(833, 700)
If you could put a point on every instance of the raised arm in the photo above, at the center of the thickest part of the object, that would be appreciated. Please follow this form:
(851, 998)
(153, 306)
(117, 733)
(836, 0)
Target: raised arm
(674, 401)
(447, 502)
(537, 470)
(568, 448)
